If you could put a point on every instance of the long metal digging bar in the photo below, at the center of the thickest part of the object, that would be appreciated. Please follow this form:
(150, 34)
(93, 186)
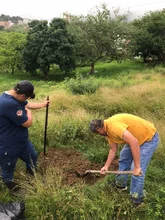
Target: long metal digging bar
(46, 124)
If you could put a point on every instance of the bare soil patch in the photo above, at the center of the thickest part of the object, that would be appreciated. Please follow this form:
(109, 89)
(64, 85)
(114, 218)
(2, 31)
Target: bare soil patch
(69, 162)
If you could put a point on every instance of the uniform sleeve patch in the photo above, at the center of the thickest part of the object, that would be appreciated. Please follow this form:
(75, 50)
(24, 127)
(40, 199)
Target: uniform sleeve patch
(19, 113)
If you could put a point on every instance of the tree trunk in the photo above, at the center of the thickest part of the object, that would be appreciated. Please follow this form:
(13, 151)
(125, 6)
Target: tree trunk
(161, 58)
(12, 70)
(45, 71)
(46, 74)
(92, 69)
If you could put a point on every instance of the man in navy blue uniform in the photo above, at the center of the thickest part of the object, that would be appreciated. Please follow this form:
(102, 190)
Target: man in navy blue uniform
(15, 119)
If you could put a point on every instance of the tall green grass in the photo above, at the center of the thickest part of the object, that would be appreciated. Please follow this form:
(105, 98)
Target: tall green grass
(126, 87)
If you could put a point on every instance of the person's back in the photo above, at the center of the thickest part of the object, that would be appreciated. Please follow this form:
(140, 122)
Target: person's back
(140, 128)
(12, 115)
(15, 118)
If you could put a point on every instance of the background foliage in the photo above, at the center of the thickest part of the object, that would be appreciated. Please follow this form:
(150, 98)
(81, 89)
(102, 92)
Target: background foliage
(104, 35)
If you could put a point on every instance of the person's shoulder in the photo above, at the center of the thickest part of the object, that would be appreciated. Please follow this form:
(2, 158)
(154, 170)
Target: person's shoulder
(6, 99)
(3, 97)
(108, 120)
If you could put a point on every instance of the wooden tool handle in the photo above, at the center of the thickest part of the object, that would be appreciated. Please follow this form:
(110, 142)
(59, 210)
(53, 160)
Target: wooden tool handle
(110, 172)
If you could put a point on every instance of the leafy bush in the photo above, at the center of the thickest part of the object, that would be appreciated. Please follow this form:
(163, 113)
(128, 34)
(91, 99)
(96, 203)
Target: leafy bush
(160, 69)
(81, 85)
(155, 209)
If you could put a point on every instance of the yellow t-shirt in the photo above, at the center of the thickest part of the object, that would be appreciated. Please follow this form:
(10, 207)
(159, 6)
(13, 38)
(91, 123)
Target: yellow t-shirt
(141, 129)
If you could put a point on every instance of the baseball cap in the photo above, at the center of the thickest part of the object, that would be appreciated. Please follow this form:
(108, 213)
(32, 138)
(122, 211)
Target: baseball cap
(25, 87)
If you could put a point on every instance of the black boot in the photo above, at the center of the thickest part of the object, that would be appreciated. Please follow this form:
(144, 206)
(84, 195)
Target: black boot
(12, 186)
(30, 171)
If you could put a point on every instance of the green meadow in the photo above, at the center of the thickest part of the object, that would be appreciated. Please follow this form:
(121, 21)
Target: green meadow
(129, 87)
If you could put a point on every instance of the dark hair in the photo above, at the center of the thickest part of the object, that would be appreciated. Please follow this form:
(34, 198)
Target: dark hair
(25, 87)
(96, 124)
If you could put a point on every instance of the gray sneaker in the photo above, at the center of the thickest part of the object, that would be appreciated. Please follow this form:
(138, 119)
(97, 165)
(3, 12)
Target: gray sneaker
(137, 202)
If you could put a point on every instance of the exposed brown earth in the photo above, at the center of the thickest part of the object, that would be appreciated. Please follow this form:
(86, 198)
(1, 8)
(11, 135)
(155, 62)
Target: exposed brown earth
(69, 162)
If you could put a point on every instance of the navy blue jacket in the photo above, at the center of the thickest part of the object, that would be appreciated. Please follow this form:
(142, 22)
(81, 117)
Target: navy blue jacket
(13, 136)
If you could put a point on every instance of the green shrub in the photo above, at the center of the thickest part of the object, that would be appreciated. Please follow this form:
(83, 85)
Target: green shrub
(82, 85)
(156, 205)
(160, 69)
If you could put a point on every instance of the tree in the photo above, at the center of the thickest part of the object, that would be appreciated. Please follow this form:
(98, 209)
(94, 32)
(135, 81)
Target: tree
(59, 47)
(148, 36)
(14, 19)
(98, 35)
(11, 50)
(36, 37)
(48, 44)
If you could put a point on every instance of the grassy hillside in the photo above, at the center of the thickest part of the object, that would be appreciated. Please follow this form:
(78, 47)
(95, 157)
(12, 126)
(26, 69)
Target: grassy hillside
(115, 88)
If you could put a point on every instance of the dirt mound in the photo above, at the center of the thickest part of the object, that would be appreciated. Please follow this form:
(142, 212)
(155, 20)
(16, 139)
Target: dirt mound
(71, 163)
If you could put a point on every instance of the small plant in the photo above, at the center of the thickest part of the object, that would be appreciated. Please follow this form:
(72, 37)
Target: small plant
(155, 209)
(160, 69)
(82, 85)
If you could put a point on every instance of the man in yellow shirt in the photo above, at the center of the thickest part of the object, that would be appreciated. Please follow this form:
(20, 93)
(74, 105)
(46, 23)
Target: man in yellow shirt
(140, 139)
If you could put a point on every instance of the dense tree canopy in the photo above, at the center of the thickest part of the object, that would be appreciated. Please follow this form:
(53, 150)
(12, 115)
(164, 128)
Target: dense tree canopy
(48, 44)
(14, 19)
(99, 35)
(11, 50)
(148, 36)
(35, 40)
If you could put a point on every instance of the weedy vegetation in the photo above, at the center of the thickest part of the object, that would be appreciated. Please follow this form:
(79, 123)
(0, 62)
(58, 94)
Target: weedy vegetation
(114, 88)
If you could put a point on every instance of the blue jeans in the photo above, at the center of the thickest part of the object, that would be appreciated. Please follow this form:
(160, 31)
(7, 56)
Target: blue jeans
(126, 163)
(8, 161)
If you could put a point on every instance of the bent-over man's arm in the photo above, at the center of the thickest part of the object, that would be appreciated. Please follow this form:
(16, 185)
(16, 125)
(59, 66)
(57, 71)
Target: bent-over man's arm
(111, 157)
(135, 149)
